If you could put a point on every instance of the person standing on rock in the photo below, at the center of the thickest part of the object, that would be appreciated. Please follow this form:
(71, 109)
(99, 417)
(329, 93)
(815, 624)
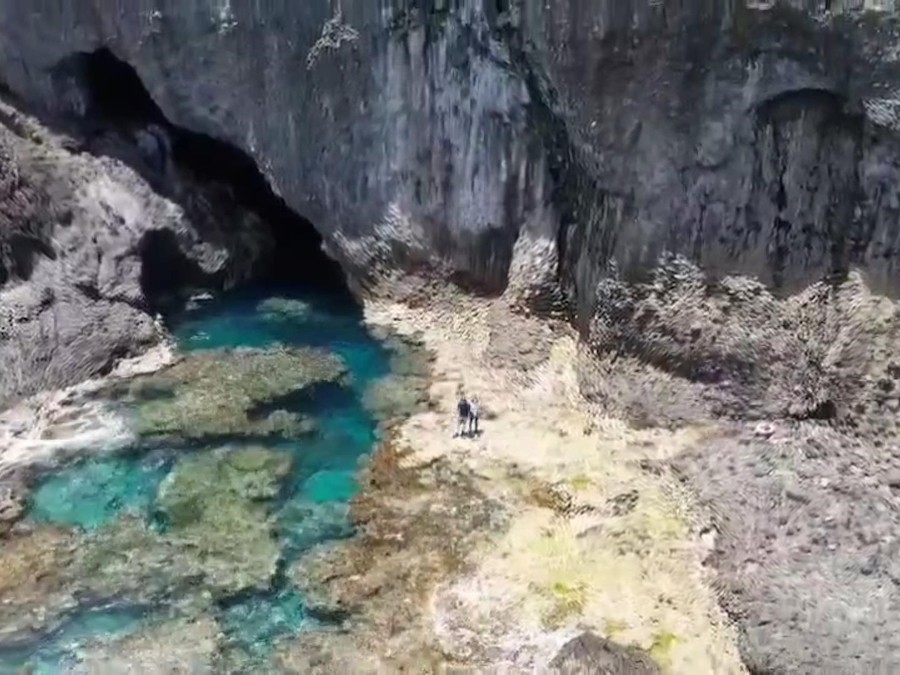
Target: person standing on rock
(474, 412)
(462, 416)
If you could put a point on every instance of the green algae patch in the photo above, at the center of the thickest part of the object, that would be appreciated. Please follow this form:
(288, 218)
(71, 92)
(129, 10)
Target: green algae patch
(581, 482)
(661, 649)
(614, 627)
(226, 392)
(568, 600)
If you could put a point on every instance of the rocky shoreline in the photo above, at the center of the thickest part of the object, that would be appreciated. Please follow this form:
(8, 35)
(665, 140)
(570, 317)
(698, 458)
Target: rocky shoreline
(497, 552)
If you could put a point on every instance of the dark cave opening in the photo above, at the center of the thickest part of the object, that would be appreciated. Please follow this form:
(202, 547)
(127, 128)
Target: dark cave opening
(165, 270)
(116, 98)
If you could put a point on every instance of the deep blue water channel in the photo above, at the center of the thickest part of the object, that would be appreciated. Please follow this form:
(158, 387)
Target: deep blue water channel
(315, 496)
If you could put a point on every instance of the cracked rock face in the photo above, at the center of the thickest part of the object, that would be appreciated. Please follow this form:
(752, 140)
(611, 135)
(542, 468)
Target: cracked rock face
(497, 141)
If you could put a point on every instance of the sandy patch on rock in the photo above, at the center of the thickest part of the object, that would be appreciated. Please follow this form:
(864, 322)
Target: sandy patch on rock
(594, 542)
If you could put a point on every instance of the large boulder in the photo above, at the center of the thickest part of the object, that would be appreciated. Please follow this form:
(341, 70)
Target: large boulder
(590, 654)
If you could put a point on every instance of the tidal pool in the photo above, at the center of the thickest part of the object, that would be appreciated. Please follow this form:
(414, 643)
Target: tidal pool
(195, 530)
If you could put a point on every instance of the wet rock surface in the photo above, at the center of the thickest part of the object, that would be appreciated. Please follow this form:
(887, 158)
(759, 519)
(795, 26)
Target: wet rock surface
(416, 527)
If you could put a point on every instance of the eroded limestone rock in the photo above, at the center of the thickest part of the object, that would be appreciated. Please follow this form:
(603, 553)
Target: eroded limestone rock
(284, 310)
(13, 500)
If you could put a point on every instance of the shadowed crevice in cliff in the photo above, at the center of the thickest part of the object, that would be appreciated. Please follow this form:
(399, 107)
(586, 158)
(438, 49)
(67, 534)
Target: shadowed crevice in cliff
(592, 219)
(165, 270)
(809, 147)
(119, 118)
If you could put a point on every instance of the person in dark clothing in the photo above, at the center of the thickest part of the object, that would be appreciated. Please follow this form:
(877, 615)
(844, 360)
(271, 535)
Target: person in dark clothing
(462, 416)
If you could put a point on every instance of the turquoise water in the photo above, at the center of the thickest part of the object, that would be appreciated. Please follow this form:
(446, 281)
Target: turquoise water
(91, 493)
(313, 505)
(58, 652)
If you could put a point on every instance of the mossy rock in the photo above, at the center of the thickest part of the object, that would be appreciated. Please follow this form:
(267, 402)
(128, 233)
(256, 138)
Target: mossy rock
(199, 484)
(225, 393)
(661, 649)
(217, 505)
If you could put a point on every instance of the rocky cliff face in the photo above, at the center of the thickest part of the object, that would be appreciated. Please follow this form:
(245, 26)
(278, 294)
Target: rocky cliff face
(89, 247)
(750, 136)
(632, 159)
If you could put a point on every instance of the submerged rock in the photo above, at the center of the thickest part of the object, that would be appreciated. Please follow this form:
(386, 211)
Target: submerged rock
(224, 393)
(304, 524)
(285, 424)
(405, 390)
(130, 562)
(215, 504)
(396, 396)
(284, 309)
(219, 538)
(33, 590)
(187, 647)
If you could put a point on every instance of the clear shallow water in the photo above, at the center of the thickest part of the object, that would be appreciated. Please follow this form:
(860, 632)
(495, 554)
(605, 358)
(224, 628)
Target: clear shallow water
(91, 493)
(313, 506)
(59, 651)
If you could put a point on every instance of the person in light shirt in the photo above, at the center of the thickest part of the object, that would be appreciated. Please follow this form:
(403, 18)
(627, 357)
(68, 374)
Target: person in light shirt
(474, 411)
